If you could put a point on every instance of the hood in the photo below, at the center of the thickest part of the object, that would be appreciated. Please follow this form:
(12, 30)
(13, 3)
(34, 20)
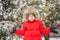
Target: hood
(30, 10)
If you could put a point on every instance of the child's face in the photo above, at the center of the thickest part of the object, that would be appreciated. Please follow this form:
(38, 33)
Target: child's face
(31, 17)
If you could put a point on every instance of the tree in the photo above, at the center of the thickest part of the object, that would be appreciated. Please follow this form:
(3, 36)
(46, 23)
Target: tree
(13, 10)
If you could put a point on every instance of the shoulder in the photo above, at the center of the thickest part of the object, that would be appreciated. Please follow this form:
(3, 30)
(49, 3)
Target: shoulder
(39, 20)
(24, 23)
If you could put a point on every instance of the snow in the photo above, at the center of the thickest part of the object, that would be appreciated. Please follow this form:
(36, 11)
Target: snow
(57, 38)
(49, 38)
(54, 38)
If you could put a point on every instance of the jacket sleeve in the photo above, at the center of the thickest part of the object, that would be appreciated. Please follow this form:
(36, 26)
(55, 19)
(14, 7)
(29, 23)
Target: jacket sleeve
(21, 32)
(44, 31)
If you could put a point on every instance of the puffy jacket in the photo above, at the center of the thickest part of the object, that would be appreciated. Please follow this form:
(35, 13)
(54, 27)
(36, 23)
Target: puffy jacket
(33, 30)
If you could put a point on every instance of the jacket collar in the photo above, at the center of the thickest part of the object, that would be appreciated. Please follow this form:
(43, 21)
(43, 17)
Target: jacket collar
(31, 21)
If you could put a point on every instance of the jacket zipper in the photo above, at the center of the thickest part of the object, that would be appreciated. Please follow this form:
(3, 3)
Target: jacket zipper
(31, 34)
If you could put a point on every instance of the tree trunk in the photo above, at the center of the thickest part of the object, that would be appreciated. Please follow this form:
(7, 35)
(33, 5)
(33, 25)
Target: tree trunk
(46, 37)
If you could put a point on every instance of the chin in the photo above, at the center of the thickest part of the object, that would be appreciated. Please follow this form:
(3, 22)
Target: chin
(31, 20)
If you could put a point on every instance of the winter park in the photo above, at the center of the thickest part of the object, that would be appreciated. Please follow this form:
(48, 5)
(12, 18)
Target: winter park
(29, 19)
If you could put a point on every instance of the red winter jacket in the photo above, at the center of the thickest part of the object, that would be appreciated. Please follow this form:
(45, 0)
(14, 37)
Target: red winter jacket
(33, 30)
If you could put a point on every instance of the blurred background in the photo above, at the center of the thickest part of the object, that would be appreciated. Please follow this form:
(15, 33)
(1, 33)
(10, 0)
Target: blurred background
(11, 12)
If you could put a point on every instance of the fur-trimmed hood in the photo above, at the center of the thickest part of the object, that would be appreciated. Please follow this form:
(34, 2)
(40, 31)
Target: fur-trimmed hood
(31, 10)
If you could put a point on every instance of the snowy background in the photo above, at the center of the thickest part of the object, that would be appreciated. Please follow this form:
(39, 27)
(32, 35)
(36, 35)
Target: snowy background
(11, 15)
(44, 39)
